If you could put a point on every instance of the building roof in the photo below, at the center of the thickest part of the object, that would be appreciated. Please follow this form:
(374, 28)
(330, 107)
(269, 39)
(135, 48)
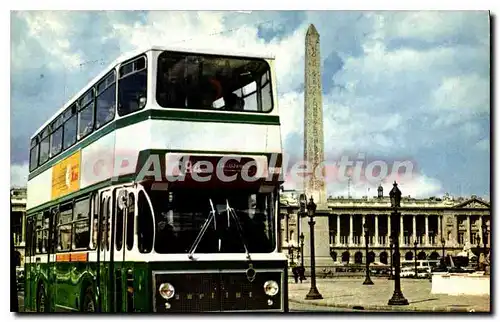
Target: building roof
(290, 198)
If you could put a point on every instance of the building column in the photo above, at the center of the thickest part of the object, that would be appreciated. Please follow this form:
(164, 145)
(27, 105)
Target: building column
(455, 231)
(23, 226)
(439, 233)
(297, 229)
(427, 239)
(401, 231)
(337, 236)
(488, 242)
(350, 241)
(481, 229)
(287, 227)
(388, 229)
(414, 234)
(376, 230)
(361, 239)
(468, 240)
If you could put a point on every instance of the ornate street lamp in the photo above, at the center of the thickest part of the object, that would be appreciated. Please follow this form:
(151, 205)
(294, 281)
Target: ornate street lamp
(415, 254)
(391, 276)
(313, 292)
(302, 249)
(398, 297)
(367, 281)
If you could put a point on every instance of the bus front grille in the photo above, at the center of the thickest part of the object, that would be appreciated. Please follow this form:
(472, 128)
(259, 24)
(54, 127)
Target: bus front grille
(217, 291)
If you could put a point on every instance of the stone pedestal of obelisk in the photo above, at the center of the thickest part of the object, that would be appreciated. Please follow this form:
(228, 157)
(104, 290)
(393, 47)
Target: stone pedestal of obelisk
(314, 185)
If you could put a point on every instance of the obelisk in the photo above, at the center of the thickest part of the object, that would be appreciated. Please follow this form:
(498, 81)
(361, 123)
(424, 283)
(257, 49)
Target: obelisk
(314, 184)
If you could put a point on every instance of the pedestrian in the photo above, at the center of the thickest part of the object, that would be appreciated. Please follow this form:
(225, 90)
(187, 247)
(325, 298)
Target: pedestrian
(302, 271)
(295, 272)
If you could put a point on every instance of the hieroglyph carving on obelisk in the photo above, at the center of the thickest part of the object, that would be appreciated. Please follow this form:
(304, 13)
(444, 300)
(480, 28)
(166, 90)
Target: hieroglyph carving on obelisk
(313, 118)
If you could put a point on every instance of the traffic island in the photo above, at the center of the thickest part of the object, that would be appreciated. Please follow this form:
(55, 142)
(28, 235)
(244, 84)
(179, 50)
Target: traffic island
(350, 293)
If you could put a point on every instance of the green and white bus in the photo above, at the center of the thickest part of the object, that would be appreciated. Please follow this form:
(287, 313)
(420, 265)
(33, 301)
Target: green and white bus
(155, 189)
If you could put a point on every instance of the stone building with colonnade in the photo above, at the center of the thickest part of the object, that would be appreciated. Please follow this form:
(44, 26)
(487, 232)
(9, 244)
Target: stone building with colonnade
(339, 236)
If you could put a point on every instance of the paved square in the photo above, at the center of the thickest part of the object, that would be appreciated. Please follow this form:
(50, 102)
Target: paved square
(351, 293)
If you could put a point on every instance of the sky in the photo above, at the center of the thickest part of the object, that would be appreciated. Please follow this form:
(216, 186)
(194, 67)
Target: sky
(396, 86)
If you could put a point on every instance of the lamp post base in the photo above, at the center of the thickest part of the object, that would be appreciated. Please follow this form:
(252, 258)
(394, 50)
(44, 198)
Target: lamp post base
(368, 281)
(313, 294)
(398, 299)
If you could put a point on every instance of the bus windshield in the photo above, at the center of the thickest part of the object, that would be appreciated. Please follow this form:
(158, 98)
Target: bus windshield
(198, 81)
(180, 215)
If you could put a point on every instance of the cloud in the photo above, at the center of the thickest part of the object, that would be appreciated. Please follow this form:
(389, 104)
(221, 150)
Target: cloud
(420, 186)
(483, 144)
(439, 27)
(460, 98)
(50, 30)
(158, 28)
(19, 175)
(394, 83)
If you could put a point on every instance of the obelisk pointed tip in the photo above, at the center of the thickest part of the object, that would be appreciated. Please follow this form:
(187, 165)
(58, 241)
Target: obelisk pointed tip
(312, 30)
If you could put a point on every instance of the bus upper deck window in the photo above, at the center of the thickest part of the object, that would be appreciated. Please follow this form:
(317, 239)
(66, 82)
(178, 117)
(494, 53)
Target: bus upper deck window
(132, 86)
(197, 81)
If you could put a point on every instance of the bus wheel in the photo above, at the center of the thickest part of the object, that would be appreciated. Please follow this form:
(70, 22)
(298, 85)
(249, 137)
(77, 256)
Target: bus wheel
(88, 301)
(41, 305)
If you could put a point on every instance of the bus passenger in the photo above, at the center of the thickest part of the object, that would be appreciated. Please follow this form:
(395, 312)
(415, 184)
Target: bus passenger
(233, 102)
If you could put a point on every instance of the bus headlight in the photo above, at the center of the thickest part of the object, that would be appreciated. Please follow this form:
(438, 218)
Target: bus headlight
(271, 288)
(166, 290)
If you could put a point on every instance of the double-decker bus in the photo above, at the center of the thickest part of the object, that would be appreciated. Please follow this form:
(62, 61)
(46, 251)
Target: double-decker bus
(155, 189)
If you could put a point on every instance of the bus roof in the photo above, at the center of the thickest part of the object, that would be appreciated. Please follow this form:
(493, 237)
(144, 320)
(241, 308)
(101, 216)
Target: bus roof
(132, 54)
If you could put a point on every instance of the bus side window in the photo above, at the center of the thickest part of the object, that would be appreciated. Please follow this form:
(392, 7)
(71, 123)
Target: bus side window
(81, 227)
(130, 221)
(106, 100)
(119, 228)
(108, 223)
(94, 215)
(38, 234)
(64, 227)
(29, 236)
(102, 218)
(144, 224)
(132, 86)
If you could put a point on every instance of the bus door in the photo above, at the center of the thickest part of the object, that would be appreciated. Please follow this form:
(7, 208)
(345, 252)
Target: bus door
(120, 268)
(128, 247)
(51, 255)
(103, 251)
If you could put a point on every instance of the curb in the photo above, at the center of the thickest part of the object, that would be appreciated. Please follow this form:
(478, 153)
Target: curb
(389, 308)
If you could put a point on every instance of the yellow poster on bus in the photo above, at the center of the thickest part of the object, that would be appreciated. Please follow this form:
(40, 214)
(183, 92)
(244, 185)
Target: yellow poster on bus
(66, 176)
